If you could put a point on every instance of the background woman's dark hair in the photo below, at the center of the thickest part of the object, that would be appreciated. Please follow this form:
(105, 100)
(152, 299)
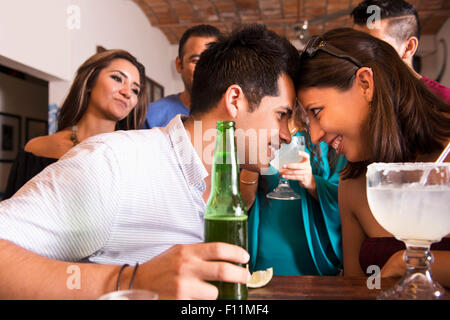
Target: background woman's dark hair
(252, 57)
(406, 119)
(76, 102)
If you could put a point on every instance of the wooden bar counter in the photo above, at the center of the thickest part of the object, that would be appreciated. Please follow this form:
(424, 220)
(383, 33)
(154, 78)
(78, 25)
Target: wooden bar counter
(320, 288)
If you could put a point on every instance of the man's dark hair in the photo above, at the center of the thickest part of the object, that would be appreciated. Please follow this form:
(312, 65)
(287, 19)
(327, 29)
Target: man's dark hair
(252, 57)
(403, 20)
(201, 30)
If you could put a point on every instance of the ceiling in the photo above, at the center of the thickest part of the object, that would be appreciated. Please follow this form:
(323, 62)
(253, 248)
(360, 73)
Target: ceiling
(173, 17)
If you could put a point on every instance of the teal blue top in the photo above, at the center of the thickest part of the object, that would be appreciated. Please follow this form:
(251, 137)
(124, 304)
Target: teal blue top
(299, 237)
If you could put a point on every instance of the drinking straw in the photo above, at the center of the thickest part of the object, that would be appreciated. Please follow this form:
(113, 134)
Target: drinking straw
(439, 160)
(444, 154)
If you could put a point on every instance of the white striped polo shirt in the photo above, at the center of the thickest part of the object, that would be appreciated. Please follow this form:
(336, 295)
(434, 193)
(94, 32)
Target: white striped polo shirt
(120, 197)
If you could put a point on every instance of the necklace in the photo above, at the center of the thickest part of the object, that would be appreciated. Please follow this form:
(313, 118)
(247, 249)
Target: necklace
(73, 136)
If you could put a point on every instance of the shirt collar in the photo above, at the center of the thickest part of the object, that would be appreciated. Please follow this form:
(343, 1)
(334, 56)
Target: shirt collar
(193, 169)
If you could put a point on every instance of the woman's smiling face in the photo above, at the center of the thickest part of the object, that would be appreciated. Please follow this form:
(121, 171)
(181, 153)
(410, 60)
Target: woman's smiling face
(116, 90)
(338, 118)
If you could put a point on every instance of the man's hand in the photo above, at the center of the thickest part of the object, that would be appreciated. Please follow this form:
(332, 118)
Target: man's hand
(182, 271)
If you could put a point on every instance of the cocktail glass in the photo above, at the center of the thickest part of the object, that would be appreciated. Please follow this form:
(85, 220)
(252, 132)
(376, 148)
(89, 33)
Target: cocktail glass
(287, 154)
(131, 294)
(416, 210)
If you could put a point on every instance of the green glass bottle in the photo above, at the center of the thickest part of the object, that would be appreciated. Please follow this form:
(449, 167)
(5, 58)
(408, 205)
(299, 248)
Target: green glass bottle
(226, 216)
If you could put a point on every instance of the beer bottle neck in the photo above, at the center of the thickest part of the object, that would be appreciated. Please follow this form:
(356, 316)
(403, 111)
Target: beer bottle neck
(225, 198)
(225, 169)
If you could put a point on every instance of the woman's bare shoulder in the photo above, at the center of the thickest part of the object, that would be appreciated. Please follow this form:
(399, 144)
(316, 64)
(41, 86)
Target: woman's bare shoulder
(52, 146)
(353, 182)
(356, 197)
(351, 189)
(352, 192)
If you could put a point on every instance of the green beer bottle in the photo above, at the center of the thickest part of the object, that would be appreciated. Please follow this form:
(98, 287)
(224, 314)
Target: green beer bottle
(226, 216)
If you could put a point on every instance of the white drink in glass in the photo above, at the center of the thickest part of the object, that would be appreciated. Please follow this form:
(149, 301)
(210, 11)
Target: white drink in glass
(412, 212)
(412, 202)
(286, 154)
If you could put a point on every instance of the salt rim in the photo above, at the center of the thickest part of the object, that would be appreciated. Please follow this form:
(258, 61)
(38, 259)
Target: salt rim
(405, 165)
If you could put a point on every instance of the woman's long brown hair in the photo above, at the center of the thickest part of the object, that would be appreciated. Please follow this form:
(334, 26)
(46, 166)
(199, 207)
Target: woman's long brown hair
(405, 120)
(76, 102)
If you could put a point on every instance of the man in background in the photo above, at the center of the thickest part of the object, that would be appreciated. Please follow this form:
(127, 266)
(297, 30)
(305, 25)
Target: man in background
(399, 26)
(192, 43)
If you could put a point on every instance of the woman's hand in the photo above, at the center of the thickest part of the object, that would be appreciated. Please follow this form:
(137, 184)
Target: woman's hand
(301, 172)
(395, 266)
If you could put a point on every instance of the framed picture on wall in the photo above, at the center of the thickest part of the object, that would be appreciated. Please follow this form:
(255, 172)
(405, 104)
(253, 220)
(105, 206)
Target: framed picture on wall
(10, 136)
(158, 91)
(155, 90)
(35, 128)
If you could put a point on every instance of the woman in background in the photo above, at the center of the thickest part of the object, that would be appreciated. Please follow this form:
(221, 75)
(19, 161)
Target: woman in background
(107, 94)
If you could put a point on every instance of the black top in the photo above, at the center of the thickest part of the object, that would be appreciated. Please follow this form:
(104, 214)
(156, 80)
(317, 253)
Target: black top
(377, 251)
(25, 167)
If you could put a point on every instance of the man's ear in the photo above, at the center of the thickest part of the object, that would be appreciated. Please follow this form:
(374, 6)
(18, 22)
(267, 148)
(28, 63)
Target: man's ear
(178, 64)
(364, 78)
(235, 100)
(410, 49)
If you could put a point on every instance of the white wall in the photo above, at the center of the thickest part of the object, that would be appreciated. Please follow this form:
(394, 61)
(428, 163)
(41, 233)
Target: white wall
(33, 34)
(119, 24)
(432, 54)
(37, 37)
(444, 33)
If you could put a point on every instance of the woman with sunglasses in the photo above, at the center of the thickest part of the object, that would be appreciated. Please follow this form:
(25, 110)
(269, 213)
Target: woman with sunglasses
(364, 102)
(108, 93)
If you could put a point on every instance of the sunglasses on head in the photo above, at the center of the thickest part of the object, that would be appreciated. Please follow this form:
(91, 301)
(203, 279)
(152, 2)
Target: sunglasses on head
(316, 43)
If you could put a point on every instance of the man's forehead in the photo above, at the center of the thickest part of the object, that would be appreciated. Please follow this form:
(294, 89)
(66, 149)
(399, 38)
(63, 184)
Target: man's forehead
(197, 43)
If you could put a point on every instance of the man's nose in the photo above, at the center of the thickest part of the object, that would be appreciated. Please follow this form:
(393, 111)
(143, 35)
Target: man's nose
(285, 135)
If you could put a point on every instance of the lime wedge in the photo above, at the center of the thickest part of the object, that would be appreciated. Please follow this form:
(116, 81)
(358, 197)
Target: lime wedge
(260, 278)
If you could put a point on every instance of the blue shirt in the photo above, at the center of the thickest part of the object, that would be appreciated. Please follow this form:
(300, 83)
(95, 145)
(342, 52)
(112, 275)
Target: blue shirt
(299, 237)
(160, 112)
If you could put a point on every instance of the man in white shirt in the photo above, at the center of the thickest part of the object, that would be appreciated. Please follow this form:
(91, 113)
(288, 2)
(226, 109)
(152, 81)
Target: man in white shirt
(139, 196)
